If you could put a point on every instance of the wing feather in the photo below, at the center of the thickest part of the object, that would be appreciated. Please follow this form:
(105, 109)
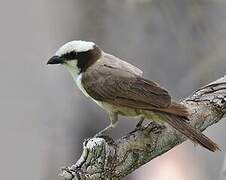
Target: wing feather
(124, 88)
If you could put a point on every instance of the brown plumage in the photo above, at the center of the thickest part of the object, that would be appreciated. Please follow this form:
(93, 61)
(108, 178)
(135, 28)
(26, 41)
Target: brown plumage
(112, 82)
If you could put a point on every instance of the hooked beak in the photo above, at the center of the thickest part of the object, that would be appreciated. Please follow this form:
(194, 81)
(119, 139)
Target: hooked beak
(55, 60)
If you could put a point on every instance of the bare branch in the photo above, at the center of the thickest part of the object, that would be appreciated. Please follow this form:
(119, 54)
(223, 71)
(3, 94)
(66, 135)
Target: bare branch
(104, 158)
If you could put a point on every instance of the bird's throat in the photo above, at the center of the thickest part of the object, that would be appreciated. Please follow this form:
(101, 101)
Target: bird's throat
(72, 69)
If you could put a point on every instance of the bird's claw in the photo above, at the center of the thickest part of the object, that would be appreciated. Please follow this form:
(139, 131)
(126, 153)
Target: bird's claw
(139, 124)
(100, 134)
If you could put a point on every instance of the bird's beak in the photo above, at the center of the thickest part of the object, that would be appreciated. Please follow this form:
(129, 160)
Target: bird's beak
(55, 60)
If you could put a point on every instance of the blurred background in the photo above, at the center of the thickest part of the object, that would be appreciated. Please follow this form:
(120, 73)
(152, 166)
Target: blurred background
(44, 117)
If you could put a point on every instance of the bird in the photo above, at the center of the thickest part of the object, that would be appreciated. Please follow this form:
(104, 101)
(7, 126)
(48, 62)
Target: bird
(121, 90)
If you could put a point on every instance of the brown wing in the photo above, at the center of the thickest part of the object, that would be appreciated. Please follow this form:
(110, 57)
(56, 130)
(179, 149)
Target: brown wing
(124, 88)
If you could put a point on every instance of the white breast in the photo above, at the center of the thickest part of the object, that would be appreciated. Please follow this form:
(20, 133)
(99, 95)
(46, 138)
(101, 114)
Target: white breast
(103, 105)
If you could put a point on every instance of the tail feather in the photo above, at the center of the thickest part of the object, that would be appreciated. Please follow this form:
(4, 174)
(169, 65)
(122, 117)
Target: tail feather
(181, 125)
(176, 109)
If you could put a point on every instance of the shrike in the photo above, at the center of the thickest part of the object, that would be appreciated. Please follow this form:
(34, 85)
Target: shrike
(120, 89)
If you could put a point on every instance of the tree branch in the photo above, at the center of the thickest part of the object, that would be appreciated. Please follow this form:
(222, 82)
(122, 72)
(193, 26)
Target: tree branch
(104, 158)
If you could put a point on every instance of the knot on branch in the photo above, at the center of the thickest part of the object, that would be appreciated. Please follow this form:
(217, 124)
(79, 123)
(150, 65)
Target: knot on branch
(214, 93)
(98, 153)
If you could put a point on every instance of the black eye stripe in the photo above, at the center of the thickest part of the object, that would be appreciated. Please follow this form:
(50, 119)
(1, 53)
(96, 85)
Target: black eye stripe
(70, 55)
(85, 59)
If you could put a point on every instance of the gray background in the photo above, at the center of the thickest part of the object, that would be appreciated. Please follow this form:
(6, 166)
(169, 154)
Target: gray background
(44, 117)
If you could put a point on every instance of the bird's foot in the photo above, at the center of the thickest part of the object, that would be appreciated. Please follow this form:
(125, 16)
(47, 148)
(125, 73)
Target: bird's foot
(103, 132)
(139, 124)
(114, 122)
(99, 134)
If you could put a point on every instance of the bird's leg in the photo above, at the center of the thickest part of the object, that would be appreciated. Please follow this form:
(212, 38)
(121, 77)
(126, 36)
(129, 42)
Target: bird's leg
(140, 122)
(114, 121)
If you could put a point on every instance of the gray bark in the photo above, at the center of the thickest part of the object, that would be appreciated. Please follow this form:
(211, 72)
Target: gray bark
(105, 158)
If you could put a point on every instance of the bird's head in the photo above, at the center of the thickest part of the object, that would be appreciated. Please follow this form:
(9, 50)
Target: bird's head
(76, 56)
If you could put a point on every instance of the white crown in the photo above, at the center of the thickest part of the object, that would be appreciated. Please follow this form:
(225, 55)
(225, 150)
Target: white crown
(76, 46)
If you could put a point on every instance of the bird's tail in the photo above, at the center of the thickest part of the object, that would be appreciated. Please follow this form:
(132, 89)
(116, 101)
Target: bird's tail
(181, 125)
